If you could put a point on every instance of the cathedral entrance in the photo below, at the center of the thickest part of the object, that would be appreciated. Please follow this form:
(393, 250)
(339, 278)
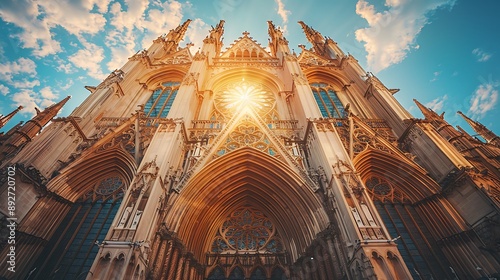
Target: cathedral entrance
(242, 223)
(247, 246)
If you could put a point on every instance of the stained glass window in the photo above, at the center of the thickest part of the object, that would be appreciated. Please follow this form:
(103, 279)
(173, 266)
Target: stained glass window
(247, 229)
(217, 274)
(278, 274)
(258, 274)
(237, 274)
(71, 252)
(161, 100)
(328, 102)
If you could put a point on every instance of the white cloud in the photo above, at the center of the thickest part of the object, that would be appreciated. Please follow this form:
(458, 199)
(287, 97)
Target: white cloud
(66, 86)
(89, 59)
(4, 90)
(61, 65)
(435, 76)
(28, 15)
(196, 32)
(483, 100)
(47, 93)
(436, 104)
(481, 55)
(26, 99)
(121, 46)
(392, 33)
(74, 16)
(133, 22)
(157, 21)
(138, 19)
(25, 84)
(21, 66)
(67, 68)
(30, 99)
(38, 18)
(283, 13)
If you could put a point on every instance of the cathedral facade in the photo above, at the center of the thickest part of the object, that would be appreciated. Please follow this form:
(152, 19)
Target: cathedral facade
(247, 163)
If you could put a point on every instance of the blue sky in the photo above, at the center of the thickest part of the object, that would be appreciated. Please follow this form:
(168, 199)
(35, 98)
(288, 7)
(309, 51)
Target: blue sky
(442, 52)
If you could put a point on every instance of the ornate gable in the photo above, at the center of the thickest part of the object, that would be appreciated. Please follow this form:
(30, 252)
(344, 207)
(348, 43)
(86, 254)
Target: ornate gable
(310, 58)
(245, 47)
(182, 56)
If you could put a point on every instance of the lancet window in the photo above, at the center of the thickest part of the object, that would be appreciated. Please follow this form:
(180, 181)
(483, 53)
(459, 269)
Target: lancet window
(328, 102)
(161, 100)
(71, 252)
(402, 219)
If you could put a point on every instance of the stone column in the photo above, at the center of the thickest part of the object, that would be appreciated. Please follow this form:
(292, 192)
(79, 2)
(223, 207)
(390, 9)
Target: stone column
(187, 267)
(165, 266)
(321, 259)
(336, 260)
(173, 262)
(158, 254)
(328, 262)
(180, 266)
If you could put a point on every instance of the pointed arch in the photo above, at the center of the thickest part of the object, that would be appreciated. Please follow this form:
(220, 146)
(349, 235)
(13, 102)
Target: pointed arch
(320, 75)
(410, 179)
(217, 274)
(278, 274)
(218, 190)
(103, 263)
(258, 273)
(169, 73)
(78, 178)
(381, 269)
(396, 264)
(237, 274)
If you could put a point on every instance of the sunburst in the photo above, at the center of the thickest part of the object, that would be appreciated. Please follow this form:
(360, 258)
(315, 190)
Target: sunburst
(242, 95)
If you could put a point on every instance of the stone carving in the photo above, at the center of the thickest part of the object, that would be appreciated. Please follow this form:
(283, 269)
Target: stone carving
(299, 79)
(190, 79)
(115, 77)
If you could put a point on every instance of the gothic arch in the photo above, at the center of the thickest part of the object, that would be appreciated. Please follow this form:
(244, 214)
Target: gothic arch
(319, 75)
(422, 209)
(382, 270)
(75, 180)
(216, 191)
(103, 263)
(409, 178)
(156, 77)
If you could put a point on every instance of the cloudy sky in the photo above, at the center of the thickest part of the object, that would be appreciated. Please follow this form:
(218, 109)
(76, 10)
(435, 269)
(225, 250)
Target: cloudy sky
(445, 53)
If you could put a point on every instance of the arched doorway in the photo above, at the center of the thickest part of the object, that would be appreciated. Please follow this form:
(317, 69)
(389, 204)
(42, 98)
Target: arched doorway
(233, 215)
(249, 239)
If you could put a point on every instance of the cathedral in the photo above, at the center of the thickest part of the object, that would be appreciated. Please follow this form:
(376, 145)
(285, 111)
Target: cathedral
(247, 162)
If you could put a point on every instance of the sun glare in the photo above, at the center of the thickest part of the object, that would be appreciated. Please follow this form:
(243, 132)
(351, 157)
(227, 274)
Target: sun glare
(242, 95)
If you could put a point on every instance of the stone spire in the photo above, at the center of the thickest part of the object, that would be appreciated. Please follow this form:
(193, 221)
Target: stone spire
(215, 36)
(177, 35)
(5, 119)
(30, 129)
(429, 114)
(482, 130)
(275, 37)
(317, 40)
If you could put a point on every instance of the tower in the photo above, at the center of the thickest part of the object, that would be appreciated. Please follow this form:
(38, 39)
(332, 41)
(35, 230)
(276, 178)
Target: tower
(5, 119)
(12, 143)
(248, 164)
